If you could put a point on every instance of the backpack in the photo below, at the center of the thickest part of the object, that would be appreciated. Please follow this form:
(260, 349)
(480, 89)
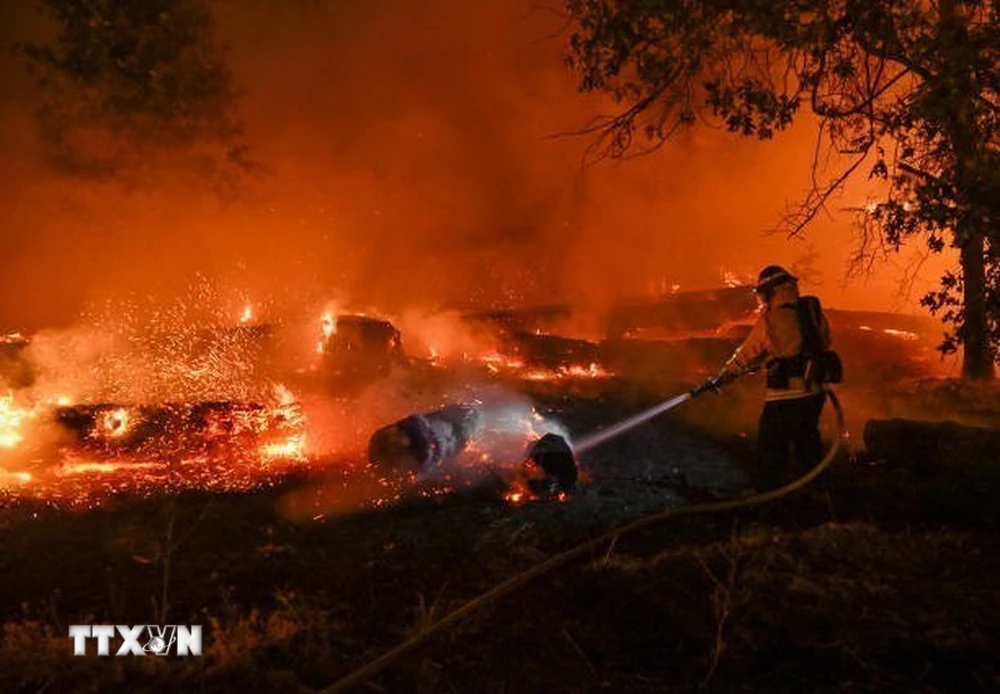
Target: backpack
(822, 364)
(815, 363)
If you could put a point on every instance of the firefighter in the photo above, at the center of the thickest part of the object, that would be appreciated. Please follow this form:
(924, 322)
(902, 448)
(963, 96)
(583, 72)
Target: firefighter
(789, 334)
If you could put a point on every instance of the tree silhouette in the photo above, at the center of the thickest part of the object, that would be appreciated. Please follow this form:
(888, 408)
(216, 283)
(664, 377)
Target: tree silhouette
(904, 90)
(124, 81)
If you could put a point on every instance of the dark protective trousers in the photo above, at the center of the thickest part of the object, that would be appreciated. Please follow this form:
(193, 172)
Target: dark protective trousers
(786, 425)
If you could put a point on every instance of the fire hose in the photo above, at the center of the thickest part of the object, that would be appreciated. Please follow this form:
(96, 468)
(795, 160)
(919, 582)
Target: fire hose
(373, 667)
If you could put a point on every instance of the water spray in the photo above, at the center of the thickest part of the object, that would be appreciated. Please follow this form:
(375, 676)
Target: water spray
(587, 548)
(595, 439)
(425, 442)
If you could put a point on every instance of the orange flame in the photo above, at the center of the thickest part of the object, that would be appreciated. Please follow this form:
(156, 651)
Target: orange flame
(11, 417)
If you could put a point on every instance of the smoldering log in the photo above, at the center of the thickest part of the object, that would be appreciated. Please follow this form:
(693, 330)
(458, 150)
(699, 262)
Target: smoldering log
(890, 347)
(167, 430)
(551, 351)
(520, 320)
(693, 311)
(666, 359)
(878, 321)
(361, 346)
(930, 445)
(424, 442)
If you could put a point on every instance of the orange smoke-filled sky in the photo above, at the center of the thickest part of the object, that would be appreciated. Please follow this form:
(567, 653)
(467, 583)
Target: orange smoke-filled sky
(410, 163)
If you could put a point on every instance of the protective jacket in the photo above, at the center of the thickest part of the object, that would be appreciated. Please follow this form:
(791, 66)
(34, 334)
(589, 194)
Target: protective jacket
(776, 340)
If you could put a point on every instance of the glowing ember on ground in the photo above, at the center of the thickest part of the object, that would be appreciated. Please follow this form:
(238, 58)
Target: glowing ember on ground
(152, 449)
(14, 477)
(294, 448)
(185, 406)
(901, 334)
(106, 468)
(513, 366)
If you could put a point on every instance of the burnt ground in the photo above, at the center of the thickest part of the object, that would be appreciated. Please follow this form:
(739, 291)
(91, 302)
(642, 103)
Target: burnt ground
(877, 578)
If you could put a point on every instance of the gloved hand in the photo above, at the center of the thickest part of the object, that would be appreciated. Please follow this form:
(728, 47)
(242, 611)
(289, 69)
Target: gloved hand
(711, 384)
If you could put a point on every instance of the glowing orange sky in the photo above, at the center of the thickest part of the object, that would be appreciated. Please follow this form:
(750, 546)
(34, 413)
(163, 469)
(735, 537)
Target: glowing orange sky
(410, 163)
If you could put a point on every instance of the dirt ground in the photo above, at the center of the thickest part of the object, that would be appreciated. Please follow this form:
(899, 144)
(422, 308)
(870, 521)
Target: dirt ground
(876, 578)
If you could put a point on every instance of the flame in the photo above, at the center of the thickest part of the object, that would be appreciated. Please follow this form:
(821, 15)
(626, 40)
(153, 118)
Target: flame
(328, 328)
(501, 364)
(732, 279)
(283, 395)
(903, 334)
(11, 417)
(900, 334)
(86, 467)
(7, 478)
(292, 448)
(247, 314)
(114, 424)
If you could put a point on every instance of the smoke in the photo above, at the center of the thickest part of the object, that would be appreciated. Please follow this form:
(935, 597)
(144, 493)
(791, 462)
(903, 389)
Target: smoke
(440, 335)
(411, 166)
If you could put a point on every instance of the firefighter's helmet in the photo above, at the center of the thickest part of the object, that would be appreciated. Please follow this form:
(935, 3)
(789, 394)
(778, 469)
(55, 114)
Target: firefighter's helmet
(771, 276)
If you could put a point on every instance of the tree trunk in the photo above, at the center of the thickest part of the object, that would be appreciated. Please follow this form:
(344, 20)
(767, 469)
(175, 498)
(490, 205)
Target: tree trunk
(977, 362)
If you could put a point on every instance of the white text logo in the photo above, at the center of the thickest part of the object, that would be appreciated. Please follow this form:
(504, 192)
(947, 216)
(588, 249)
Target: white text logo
(144, 639)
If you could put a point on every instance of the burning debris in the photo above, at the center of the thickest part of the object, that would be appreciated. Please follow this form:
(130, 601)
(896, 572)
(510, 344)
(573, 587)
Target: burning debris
(169, 432)
(358, 348)
(530, 320)
(187, 405)
(168, 403)
(551, 352)
(683, 313)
